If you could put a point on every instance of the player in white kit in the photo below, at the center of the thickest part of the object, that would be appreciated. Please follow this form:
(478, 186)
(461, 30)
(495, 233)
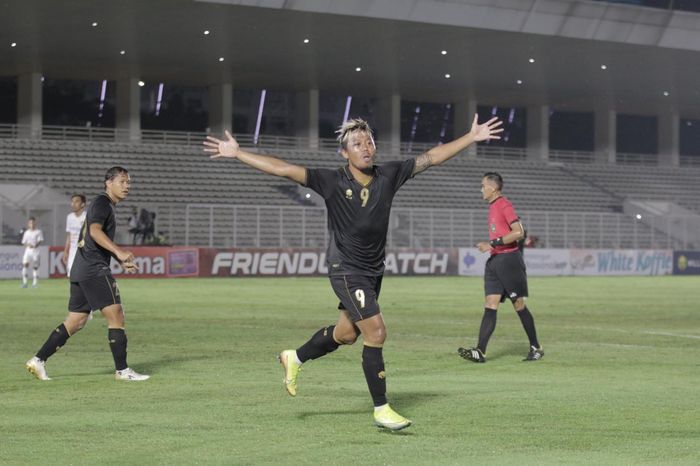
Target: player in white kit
(74, 222)
(31, 240)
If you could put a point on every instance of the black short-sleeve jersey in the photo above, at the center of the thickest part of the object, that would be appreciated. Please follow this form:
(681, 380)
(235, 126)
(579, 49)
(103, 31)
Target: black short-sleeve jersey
(91, 259)
(358, 216)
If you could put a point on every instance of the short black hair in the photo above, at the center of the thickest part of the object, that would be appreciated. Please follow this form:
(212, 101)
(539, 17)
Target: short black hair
(114, 171)
(32, 219)
(496, 178)
(82, 197)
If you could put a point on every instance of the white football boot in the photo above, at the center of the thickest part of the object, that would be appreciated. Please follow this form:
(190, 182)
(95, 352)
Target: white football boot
(37, 367)
(130, 374)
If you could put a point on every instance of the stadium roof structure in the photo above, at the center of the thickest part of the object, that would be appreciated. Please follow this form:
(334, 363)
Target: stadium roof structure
(571, 54)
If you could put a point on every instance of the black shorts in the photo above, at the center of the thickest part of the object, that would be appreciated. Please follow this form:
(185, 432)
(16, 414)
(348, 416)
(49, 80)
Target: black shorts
(93, 294)
(505, 274)
(358, 295)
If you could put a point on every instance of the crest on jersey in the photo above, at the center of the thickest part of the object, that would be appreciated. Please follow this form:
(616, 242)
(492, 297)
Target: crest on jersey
(348, 194)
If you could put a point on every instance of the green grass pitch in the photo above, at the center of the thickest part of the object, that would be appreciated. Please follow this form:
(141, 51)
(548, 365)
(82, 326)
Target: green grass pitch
(620, 382)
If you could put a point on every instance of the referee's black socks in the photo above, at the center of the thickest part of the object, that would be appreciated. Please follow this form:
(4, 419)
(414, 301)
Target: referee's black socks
(488, 325)
(320, 344)
(373, 365)
(117, 343)
(529, 326)
(56, 340)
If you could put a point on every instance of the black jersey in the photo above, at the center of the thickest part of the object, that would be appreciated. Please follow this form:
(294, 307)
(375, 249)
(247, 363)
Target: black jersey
(91, 259)
(358, 216)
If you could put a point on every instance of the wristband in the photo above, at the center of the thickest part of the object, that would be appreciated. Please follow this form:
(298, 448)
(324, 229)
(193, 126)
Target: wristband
(497, 242)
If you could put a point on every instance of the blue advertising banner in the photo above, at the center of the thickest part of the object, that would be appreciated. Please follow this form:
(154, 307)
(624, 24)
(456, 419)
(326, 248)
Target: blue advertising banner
(686, 262)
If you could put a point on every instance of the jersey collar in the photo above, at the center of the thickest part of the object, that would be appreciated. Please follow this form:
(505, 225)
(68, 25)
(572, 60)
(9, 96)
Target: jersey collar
(108, 198)
(348, 173)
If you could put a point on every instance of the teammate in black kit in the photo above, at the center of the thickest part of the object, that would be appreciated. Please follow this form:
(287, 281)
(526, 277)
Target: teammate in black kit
(91, 283)
(358, 199)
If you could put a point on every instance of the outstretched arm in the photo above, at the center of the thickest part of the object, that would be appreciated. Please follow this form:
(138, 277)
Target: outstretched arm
(229, 148)
(444, 152)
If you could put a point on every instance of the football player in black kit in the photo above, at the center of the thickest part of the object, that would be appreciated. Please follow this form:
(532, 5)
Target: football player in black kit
(358, 200)
(91, 283)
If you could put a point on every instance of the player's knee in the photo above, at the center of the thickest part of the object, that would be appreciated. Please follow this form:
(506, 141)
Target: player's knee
(376, 336)
(346, 339)
(492, 304)
(77, 327)
(74, 325)
(345, 336)
(114, 315)
(518, 304)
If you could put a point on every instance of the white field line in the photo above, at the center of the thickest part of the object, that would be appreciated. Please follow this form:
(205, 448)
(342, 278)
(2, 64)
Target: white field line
(675, 335)
(645, 332)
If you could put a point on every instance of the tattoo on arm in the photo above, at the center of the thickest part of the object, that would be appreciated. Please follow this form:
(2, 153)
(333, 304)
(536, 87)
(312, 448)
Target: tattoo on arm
(423, 162)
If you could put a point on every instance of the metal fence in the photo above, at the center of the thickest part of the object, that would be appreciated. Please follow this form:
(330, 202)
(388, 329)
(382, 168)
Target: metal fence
(267, 142)
(51, 220)
(220, 225)
(217, 225)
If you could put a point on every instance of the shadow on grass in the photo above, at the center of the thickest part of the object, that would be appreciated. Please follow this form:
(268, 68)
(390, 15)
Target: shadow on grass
(350, 412)
(518, 351)
(412, 399)
(155, 365)
(511, 350)
(149, 367)
(311, 414)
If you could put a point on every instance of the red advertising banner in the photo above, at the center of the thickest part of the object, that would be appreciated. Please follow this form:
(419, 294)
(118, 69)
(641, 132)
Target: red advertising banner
(152, 262)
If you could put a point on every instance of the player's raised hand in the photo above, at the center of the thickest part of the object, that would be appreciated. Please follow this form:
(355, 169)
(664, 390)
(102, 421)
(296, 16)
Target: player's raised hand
(486, 131)
(221, 148)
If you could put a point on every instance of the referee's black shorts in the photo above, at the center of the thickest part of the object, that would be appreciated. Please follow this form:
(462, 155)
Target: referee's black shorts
(358, 295)
(93, 293)
(505, 274)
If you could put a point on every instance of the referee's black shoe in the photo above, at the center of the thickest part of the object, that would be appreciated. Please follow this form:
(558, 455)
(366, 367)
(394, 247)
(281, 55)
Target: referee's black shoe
(472, 354)
(535, 354)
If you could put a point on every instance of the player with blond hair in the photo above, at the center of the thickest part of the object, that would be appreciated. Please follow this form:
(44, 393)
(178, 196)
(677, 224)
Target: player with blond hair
(358, 199)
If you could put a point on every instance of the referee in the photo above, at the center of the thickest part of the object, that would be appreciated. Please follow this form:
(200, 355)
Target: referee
(504, 275)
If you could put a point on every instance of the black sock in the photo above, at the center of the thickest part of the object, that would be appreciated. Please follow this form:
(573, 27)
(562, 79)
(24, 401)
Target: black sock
(373, 365)
(54, 343)
(320, 344)
(117, 343)
(488, 325)
(529, 326)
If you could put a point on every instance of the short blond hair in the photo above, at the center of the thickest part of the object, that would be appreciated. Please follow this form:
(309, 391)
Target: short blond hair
(352, 125)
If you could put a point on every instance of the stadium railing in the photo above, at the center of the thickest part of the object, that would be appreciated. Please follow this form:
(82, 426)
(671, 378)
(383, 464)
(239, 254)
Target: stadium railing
(217, 225)
(636, 159)
(184, 138)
